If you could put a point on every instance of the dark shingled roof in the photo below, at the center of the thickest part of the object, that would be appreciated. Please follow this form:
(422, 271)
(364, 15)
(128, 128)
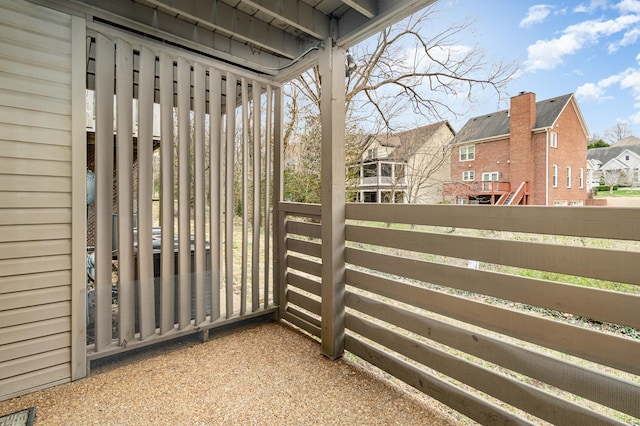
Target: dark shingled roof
(497, 123)
(605, 154)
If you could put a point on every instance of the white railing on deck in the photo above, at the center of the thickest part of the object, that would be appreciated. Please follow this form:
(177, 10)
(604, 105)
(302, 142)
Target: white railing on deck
(505, 314)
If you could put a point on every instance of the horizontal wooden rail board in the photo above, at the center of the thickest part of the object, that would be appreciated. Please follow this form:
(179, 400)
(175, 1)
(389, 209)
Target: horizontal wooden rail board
(303, 283)
(609, 223)
(304, 265)
(607, 349)
(301, 323)
(305, 247)
(604, 389)
(306, 229)
(602, 305)
(518, 394)
(299, 209)
(596, 263)
(311, 319)
(303, 301)
(465, 402)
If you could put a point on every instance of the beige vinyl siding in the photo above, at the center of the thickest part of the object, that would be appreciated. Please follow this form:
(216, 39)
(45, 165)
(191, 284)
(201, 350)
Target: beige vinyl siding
(35, 197)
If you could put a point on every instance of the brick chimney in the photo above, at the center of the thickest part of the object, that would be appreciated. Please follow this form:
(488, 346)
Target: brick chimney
(522, 120)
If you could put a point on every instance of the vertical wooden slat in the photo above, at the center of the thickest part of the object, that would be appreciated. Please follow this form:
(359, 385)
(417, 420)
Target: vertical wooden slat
(199, 207)
(184, 197)
(279, 223)
(167, 262)
(124, 149)
(255, 259)
(145, 193)
(229, 167)
(79, 45)
(267, 194)
(333, 199)
(215, 237)
(104, 187)
(245, 194)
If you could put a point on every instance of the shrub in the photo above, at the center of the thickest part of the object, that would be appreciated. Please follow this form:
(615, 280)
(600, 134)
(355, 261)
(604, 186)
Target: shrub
(605, 188)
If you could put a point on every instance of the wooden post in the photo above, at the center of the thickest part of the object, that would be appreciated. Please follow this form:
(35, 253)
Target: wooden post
(332, 74)
(279, 225)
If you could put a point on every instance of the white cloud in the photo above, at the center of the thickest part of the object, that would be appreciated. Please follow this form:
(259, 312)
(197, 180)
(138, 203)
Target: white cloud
(591, 7)
(629, 38)
(548, 54)
(537, 13)
(629, 6)
(590, 92)
(627, 80)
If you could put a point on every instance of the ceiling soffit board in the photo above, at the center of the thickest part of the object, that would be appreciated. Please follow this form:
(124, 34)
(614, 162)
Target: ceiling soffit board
(272, 37)
(367, 8)
(232, 22)
(353, 27)
(297, 14)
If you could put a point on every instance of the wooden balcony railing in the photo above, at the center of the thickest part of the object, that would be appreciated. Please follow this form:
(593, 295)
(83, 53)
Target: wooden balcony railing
(538, 322)
(494, 186)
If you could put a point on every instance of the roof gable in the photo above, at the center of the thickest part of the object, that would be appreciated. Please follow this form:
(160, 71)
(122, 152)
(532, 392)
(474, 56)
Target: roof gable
(614, 164)
(495, 125)
(411, 141)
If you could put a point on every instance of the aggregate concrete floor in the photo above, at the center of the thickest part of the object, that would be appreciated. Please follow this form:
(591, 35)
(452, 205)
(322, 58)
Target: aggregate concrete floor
(267, 375)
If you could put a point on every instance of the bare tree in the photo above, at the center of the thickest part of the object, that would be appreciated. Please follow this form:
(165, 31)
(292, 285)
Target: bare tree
(611, 178)
(409, 68)
(619, 131)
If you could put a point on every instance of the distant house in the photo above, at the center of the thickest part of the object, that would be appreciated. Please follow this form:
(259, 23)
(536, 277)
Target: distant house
(534, 153)
(621, 159)
(406, 167)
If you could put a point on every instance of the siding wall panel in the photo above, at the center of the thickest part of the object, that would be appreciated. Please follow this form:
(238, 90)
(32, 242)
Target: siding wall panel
(35, 197)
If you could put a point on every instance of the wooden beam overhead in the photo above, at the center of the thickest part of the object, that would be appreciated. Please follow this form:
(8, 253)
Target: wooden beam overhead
(368, 8)
(295, 13)
(234, 23)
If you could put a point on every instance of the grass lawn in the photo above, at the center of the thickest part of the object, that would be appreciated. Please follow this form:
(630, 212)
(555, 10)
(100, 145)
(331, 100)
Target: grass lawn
(619, 193)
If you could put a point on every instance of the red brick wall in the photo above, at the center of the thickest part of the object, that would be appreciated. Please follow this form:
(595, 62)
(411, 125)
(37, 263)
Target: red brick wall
(524, 156)
(571, 151)
(537, 187)
(490, 157)
(522, 119)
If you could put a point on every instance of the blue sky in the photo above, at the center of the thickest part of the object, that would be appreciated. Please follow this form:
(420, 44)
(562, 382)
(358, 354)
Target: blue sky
(590, 48)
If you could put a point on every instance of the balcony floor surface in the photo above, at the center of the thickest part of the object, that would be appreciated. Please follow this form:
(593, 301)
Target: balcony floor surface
(266, 375)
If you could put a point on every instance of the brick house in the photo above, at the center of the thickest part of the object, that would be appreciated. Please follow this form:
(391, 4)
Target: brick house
(406, 167)
(535, 153)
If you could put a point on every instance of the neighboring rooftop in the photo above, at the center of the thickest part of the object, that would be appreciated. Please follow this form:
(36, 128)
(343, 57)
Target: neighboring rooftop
(497, 123)
(407, 142)
(605, 154)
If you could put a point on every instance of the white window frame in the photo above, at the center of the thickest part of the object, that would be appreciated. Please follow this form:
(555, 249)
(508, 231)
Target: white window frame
(490, 176)
(554, 176)
(461, 201)
(568, 176)
(467, 153)
(468, 175)
(553, 140)
(581, 178)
